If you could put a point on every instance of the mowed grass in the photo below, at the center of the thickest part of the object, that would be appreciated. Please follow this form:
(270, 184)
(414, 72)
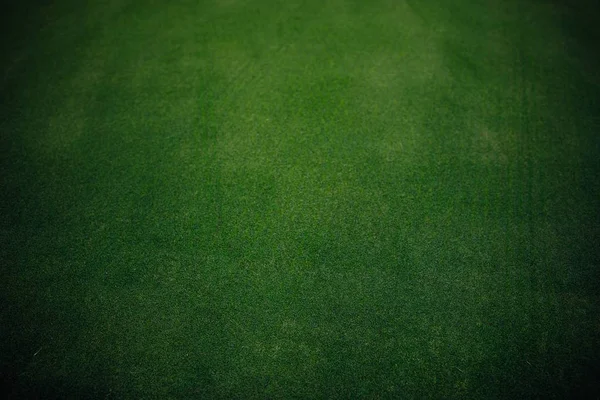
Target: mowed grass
(300, 199)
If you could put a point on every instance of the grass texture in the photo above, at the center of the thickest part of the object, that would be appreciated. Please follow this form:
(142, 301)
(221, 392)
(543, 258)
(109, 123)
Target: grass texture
(300, 199)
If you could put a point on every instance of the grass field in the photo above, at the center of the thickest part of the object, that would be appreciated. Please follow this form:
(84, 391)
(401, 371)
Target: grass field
(300, 199)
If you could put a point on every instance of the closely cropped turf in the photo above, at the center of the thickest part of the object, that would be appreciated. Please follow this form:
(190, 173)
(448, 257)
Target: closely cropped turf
(300, 199)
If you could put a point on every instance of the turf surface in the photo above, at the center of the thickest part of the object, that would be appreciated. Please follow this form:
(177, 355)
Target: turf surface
(300, 199)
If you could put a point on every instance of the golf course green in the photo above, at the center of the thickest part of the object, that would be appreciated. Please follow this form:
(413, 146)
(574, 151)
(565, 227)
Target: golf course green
(303, 199)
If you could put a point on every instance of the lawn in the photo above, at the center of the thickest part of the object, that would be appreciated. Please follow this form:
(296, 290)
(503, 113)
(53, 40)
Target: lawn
(300, 199)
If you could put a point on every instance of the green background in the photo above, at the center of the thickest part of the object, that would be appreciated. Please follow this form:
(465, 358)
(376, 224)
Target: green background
(300, 199)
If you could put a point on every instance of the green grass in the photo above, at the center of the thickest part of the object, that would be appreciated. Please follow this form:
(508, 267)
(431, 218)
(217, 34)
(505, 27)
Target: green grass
(300, 199)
